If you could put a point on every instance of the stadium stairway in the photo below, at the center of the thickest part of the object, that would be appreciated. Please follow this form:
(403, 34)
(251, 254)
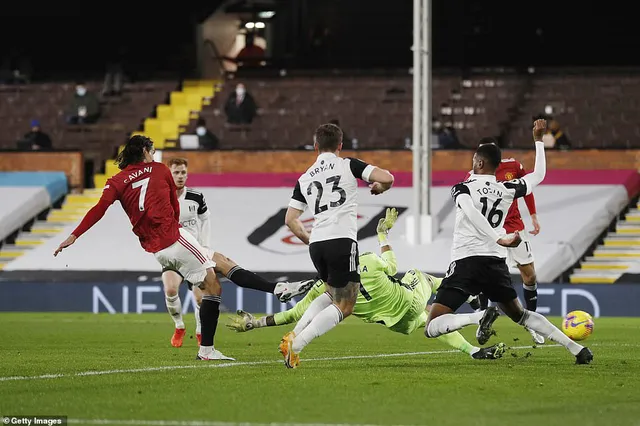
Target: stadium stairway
(171, 119)
(72, 210)
(619, 252)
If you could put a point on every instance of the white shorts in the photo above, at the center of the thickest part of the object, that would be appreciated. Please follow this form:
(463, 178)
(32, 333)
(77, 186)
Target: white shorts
(187, 257)
(521, 255)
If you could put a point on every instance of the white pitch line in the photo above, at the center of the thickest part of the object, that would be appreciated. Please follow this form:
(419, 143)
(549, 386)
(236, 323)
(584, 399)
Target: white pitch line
(207, 364)
(197, 423)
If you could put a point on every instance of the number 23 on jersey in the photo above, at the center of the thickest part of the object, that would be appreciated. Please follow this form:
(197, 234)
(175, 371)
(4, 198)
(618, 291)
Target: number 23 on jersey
(335, 188)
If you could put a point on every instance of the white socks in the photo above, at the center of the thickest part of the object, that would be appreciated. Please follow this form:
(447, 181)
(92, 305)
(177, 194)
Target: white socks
(174, 306)
(543, 327)
(317, 306)
(197, 314)
(451, 322)
(323, 322)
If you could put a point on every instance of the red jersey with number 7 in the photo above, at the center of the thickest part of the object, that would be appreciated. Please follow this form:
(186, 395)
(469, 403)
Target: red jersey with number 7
(148, 196)
(510, 169)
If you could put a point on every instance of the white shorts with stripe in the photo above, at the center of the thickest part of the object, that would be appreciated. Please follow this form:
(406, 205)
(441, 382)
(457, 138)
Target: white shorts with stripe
(187, 257)
(521, 255)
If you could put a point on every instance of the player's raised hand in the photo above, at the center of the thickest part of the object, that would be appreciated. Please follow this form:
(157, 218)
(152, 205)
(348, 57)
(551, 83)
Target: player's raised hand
(536, 225)
(66, 243)
(387, 222)
(539, 127)
(510, 240)
(377, 188)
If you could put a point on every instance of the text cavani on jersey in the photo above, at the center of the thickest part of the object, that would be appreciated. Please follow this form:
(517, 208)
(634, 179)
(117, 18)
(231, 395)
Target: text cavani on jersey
(330, 189)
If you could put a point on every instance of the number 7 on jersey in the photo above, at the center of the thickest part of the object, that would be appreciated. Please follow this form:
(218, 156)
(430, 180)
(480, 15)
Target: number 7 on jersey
(143, 184)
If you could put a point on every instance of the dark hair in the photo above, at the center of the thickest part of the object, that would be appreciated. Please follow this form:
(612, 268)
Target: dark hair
(328, 137)
(490, 152)
(133, 151)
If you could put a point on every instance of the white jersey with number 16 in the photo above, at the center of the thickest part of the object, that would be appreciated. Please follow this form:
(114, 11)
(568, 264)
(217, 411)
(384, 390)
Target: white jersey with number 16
(493, 200)
(330, 189)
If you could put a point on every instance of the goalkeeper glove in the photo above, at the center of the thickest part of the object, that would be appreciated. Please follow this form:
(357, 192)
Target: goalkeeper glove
(385, 224)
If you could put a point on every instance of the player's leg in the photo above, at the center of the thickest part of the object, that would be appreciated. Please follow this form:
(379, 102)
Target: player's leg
(197, 268)
(443, 320)
(197, 296)
(244, 321)
(522, 258)
(456, 287)
(247, 279)
(171, 281)
(209, 315)
(343, 282)
(344, 299)
(535, 321)
(530, 288)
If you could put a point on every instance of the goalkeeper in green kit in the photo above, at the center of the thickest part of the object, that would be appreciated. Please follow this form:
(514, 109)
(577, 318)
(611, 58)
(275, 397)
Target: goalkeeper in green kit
(398, 304)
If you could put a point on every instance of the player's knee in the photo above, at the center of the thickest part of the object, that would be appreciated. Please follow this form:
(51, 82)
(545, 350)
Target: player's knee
(528, 274)
(171, 287)
(170, 291)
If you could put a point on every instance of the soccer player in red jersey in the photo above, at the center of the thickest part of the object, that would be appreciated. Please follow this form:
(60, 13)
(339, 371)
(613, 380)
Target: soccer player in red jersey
(520, 256)
(147, 193)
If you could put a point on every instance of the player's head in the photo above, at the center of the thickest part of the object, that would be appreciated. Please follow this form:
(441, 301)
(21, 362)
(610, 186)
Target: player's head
(327, 138)
(487, 157)
(138, 149)
(178, 168)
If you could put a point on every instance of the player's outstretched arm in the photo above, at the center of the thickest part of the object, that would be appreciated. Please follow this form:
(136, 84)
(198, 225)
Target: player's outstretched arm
(387, 256)
(540, 170)
(293, 222)
(91, 218)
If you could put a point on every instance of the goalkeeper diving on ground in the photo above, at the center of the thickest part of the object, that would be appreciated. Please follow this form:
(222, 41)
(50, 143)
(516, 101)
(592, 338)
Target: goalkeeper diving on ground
(398, 304)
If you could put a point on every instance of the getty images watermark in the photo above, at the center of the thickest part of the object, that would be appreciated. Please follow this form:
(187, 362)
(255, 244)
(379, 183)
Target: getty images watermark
(34, 420)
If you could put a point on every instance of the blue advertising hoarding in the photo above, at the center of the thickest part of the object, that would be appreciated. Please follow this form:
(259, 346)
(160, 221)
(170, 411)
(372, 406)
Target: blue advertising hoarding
(135, 297)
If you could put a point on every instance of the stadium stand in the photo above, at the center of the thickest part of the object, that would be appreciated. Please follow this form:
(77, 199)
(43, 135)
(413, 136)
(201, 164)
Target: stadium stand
(170, 119)
(47, 102)
(377, 110)
(617, 255)
(572, 94)
(28, 196)
(252, 239)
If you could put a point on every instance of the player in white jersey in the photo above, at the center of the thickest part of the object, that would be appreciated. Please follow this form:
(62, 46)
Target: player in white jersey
(479, 251)
(330, 189)
(194, 217)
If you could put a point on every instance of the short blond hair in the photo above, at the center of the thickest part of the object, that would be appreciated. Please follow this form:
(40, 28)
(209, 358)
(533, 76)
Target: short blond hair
(178, 162)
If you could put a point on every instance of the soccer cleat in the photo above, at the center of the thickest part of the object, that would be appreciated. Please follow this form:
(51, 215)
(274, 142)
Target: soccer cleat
(585, 356)
(177, 338)
(243, 321)
(291, 359)
(284, 291)
(485, 329)
(538, 339)
(214, 355)
(199, 338)
(492, 352)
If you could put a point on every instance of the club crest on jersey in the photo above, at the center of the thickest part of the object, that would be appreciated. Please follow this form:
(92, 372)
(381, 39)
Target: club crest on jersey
(508, 176)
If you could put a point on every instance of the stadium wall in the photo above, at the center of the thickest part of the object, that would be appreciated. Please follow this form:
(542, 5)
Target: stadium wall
(613, 300)
(71, 163)
(397, 160)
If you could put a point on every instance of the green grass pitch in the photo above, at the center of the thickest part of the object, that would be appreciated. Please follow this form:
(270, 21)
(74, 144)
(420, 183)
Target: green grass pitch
(121, 369)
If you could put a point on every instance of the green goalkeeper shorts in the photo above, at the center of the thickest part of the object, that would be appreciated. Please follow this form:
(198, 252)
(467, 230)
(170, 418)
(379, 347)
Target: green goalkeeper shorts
(416, 317)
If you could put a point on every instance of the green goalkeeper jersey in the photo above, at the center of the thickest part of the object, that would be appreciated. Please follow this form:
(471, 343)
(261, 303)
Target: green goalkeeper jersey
(382, 298)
